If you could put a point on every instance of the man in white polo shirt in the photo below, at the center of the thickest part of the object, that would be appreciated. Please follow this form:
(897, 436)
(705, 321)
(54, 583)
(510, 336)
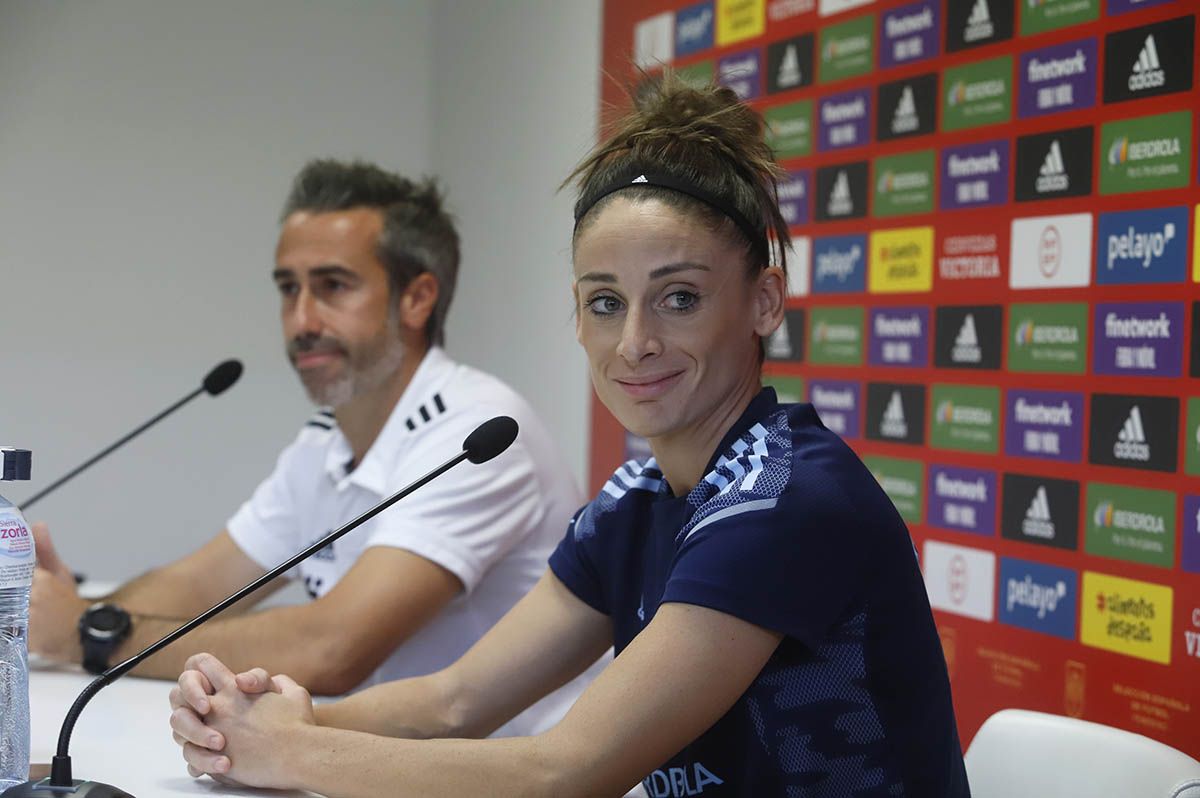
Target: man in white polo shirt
(365, 267)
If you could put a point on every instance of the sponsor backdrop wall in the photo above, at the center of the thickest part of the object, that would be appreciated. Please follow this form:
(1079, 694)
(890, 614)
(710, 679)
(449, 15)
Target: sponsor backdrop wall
(994, 302)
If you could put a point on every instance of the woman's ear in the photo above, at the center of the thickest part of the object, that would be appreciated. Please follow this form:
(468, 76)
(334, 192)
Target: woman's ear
(770, 294)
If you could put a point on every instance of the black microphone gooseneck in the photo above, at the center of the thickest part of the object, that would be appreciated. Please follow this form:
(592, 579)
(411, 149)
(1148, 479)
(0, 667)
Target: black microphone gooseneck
(488, 440)
(216, 382)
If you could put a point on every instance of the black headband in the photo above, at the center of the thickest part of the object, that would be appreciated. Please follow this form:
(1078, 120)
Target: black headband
(660, 180)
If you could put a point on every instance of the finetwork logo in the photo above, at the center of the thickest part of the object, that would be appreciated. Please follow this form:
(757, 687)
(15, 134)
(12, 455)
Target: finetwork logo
(1131, 440)
(899, 336)
(1044, 424)
(908, 33)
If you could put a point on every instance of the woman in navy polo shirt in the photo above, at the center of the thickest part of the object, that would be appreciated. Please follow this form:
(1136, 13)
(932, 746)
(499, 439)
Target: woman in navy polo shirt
(772, 629)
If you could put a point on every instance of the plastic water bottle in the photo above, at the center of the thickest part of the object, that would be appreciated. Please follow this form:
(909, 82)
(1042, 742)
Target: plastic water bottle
(17, 559)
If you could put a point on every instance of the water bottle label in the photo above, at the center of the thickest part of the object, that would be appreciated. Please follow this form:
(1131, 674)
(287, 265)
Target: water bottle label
(17, 557)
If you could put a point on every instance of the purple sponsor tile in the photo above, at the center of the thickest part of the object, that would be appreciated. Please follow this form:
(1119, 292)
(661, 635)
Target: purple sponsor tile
(908, 34)
(741, 72)
(1140, 339)
(1191, 534)
(844, 120)
(975, 175)
(1123, 6)
(962, 499)
(899, 337)
(1045, 424)
(1059, 78)
(794, 191)
(838, 403)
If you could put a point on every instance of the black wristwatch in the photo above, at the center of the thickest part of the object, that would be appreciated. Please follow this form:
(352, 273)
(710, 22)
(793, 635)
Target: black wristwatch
(102, 627)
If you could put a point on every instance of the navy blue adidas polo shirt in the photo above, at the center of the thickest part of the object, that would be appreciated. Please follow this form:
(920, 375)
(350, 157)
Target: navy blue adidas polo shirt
(787, 530)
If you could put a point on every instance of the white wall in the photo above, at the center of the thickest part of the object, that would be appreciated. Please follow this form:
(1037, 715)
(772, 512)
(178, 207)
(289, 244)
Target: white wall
(516, 91)
(145, 149)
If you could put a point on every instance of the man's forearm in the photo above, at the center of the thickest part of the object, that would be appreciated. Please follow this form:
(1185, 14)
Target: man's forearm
(289, 640)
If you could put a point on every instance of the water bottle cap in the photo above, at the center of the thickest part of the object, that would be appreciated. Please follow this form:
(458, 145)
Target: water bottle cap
(14, 464)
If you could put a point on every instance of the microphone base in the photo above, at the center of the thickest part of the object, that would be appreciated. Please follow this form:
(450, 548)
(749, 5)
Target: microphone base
(42, 788)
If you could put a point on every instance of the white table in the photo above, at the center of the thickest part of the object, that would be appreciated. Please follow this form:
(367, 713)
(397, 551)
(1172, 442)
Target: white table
(122, 738)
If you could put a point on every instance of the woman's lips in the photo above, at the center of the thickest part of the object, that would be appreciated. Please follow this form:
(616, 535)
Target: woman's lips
(650, 386)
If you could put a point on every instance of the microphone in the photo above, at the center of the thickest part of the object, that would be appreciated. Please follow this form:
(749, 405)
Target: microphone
(215, 383)
(487, 441)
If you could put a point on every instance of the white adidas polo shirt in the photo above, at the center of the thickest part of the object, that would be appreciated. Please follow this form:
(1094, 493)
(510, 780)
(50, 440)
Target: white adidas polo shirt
(492, 525)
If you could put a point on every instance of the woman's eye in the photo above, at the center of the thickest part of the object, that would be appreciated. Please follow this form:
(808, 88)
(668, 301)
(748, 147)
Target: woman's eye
(604, 305)
(681, 300)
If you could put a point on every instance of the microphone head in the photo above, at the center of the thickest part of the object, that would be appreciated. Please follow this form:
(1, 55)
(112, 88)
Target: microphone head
(222, 377)
(490, 439)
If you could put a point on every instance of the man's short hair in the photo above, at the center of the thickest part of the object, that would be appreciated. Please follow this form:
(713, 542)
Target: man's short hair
(418, 234)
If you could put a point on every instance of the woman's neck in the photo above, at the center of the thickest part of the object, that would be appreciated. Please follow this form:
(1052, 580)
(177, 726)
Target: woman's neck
(683, 454)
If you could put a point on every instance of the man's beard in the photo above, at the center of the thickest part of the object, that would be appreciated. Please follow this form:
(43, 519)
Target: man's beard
(366, 368)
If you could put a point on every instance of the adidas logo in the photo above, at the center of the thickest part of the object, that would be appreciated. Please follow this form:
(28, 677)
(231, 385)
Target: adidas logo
(1131, 440)
(966, 345)
(893, 424)
(1037, 523)
(1147, 71)
(1053, 175)
(905, 120)
(789, 69)
(979, 24)
(779, 345)
(840, 201)
(639, 179)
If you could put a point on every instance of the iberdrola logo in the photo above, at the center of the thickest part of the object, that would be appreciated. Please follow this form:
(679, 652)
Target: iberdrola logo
(821, 332)
(945, 412)
(1104, 514)
(887, 181)
(1024, 334)
(1118, 153)
(957, 93)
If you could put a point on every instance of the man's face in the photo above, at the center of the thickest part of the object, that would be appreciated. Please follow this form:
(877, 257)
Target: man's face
(338, 322)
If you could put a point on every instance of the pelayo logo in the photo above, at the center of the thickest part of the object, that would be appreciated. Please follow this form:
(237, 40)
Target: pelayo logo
(1149, 61)
(694, 29)
(1038, 597)
(1139, 339)
(1131, 524)
(839, 264)
(1134, 432)
(966, 418)
(1126, 617)
(1143, 246)
(1146, 153)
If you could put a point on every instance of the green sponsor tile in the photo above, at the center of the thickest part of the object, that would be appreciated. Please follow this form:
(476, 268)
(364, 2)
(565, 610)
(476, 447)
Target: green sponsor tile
(699, 74)
(836, 336)
(1131, 524)
(904, 183)
(1191, 441)
(977, 94)
(1048, 337)
(790, 129)
(789, 390)
(1146, 153)
(966, 418)
(847, 50)
(1054, 14)
(904, 483)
